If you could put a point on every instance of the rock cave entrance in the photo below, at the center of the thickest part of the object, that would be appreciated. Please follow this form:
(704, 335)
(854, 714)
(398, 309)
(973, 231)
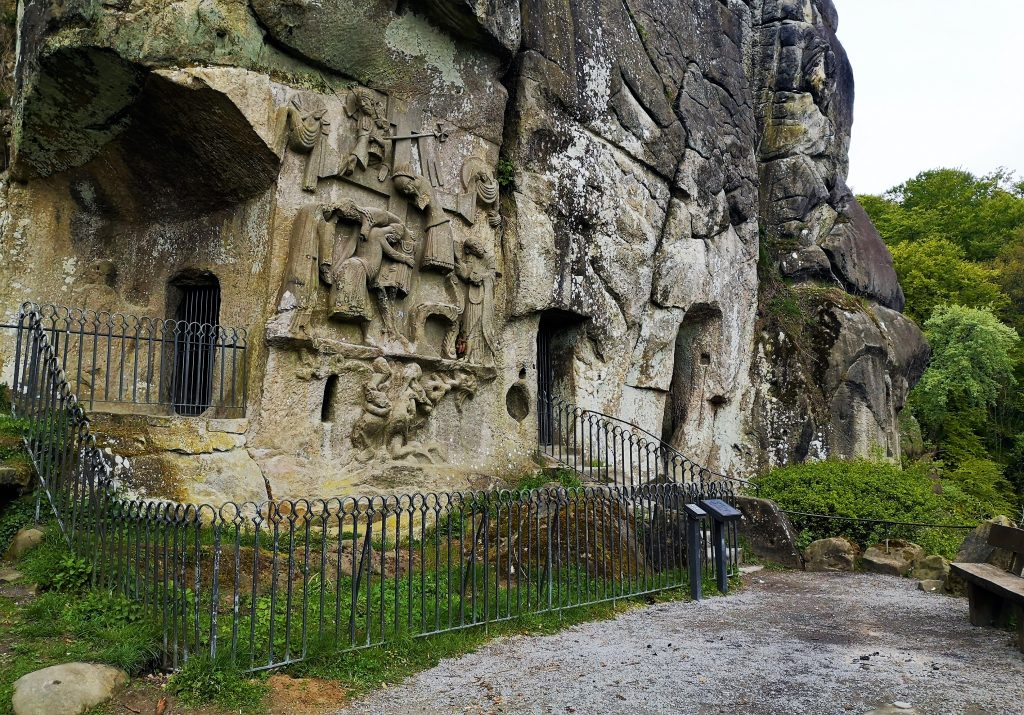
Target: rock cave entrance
(697, 353)
(557, 335)
(193, 302)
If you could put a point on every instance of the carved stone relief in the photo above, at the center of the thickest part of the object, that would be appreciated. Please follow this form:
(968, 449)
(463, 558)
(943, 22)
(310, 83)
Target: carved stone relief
(393, 271)
(307, 131)
(397, 401)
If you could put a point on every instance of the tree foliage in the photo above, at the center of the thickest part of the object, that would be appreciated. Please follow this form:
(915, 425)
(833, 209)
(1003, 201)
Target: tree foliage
(973, 360)
(958, 245)
(979, 214)
(936, 271)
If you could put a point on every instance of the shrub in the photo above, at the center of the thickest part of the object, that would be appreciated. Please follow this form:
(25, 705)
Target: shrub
(863, 489)
(54, 567)
(202, 682)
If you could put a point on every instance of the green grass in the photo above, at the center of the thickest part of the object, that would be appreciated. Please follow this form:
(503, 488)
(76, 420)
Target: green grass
(205, 682)
(64, 627)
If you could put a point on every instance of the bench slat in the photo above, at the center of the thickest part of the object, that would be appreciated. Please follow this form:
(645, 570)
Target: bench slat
(1005, 537)
(992, 578)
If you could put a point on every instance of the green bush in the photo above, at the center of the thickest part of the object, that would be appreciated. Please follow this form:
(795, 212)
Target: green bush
(863, 489)
(54, 567)
(204, 682)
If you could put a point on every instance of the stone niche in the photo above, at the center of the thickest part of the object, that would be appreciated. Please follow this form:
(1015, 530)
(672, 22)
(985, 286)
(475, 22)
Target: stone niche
(333, 169)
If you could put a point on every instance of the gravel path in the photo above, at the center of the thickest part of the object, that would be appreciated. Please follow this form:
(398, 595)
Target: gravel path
(790, 643)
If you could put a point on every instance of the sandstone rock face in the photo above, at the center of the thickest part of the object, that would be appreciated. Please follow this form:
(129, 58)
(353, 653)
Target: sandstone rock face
(931, 568)
(69, 689)
(895, 558)
(832, 554)
(768, 532)
(976, 549)
(397, 200)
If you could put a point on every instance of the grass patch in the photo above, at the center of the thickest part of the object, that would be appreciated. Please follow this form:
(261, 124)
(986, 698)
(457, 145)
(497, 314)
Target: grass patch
(205, 682)
(59, 628)
(563, 476)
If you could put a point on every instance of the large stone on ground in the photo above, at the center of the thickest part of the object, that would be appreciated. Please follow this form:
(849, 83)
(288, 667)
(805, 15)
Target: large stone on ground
(24, 541)
(834, 554)
(68, 689)
(930, 585)
(976, 550)
(768, 532)
(931, 568)
(895, 558)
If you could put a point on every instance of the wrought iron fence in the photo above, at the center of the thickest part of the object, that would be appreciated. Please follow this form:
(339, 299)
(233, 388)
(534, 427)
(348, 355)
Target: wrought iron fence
(115, 358)
(267, 584)
(605, 449)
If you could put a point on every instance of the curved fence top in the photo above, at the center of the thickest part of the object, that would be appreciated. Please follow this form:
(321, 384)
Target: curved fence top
(65, 318)
(638, 437)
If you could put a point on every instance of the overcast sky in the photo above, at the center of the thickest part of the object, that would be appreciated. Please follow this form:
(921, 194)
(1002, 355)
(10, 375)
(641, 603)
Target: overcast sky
(940, 83)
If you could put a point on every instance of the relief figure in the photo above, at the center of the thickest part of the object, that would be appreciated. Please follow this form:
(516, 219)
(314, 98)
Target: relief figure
(476, 268)
(309, 262)
(306, 129)
(478, 181)
(397, 405)
(439, 244)
(373, 132)
(368, 430)
(367, 263)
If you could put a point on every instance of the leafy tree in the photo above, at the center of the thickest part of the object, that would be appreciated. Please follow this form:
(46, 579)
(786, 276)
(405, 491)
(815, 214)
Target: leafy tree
(934, 271)
(979, 214)
(983, 480)
(1009, 269)
(973, 360)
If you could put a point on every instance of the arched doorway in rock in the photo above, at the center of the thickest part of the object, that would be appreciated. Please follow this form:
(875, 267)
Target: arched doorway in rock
(557, 335)
(193, 303)
(696, 359)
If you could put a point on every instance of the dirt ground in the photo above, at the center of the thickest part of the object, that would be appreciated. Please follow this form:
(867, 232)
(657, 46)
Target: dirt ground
(790, 643)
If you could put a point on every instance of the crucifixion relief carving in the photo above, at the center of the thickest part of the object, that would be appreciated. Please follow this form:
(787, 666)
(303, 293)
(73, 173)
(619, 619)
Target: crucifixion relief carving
(398, 250)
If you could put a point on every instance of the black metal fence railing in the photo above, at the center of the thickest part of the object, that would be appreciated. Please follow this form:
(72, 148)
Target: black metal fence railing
(114, 358)
(606, 450)
(268, 584)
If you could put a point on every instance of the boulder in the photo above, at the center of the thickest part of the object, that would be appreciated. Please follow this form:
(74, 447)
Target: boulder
(931, 568)
(895, 558)
(930, 585)
(976, 550)
(767, 532)
(24, 541)
(834, 554)
(68, 689)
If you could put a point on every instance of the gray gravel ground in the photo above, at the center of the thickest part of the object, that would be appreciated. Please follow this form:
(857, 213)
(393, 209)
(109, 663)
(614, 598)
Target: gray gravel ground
(790, 643)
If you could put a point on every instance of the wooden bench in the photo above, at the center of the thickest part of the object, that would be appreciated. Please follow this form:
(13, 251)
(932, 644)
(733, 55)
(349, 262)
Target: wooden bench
(995, 594)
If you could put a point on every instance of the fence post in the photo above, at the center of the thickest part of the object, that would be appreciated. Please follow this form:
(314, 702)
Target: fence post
(694, 515)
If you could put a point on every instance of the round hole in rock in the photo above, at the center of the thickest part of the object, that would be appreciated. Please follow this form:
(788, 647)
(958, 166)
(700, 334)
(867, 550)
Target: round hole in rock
(517, 402)
(522, 373)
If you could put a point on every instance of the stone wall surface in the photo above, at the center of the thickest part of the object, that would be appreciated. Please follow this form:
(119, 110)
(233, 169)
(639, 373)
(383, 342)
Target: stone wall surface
(395, 198)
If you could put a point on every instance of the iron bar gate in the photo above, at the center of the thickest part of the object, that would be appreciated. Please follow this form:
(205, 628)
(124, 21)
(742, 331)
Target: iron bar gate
(114, 358)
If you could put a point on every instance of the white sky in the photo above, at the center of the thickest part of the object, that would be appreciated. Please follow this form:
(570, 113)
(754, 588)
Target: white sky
(940, 83)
